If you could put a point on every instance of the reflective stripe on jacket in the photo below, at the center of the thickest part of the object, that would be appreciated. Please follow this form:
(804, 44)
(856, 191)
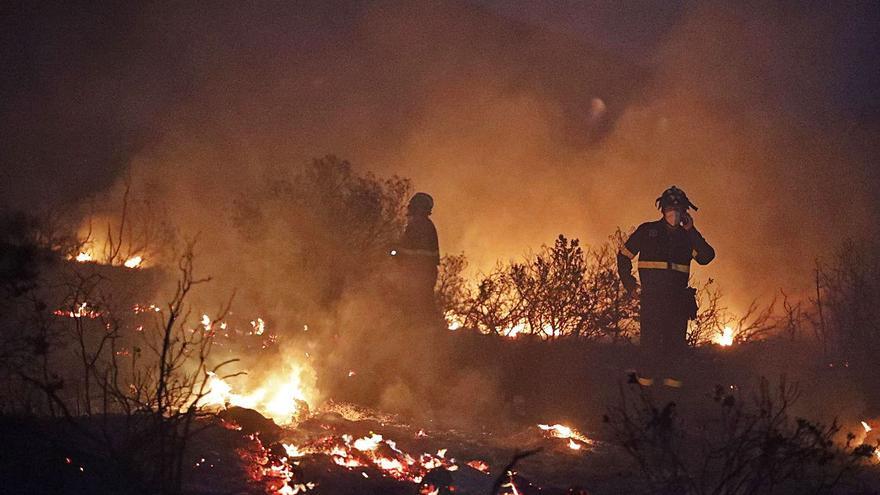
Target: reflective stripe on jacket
(664, 253)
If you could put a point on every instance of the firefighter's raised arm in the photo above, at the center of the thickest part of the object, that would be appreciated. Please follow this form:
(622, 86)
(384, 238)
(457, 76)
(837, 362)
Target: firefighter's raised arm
(701, 251)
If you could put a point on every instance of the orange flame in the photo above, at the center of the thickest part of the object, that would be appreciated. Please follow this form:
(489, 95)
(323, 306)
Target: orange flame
(133, 262)
(282, 397)
(725, 338)
(576, 439)
(479, 465)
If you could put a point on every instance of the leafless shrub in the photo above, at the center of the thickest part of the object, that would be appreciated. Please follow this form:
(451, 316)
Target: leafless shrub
(494, 306)
(850, 297)
(136, 226)
(757, 322)
(846, 313)
(711, 315)
(743, 447)
(561, 291)
(128, 386)
(612, 312)
(565, 290)
(841, 316)
(794, 318)
(713, 318)
(553, 290)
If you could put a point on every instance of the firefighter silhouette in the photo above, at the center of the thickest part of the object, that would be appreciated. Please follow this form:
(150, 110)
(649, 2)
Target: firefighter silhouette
(418, 258)
(665, 248)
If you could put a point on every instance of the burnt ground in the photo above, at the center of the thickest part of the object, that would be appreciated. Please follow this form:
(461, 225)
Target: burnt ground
(475, 398)
(498, 389)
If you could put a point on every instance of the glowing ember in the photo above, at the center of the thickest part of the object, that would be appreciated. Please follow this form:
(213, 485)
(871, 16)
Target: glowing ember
(725, 339)
(138, 309)
(867, 427)
(372, 451)
(575, 438)
(275, 471)
(510, 484)
(81, 310)
(375, 451)
(453, 321)
(83, 257)
(368, 443)
(479, 465)
(545, 331)
(293, 450)
(133, 262)
(259, 326)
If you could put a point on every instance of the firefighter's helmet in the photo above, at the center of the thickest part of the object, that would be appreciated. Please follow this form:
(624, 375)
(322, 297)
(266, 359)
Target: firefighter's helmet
(421, 202)
(674, 197)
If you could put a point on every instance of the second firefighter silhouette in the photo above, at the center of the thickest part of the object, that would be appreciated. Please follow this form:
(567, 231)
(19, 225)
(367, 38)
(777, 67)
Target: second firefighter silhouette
(665, 248)
(418, 257)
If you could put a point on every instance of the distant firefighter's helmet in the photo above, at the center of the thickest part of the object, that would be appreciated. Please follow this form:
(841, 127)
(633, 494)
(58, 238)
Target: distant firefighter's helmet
(421, 203)
(674, 197)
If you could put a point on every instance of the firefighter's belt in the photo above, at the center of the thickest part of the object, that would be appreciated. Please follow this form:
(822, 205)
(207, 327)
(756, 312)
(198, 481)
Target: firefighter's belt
(664, 265)
(419, 252)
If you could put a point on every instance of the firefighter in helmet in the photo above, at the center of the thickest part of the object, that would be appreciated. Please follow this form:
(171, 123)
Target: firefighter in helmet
(418, 255)
(665, 248)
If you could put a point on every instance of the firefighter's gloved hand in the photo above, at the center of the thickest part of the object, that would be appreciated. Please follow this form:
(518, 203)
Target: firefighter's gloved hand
(687, 221)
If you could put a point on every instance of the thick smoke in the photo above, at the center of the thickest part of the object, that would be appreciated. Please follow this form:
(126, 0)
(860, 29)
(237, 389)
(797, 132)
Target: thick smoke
(740, 113)
(520, 133)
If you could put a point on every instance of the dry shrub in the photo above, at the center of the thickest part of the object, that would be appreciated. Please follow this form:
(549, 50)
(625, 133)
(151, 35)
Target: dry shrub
(740, 446)
(562, 291)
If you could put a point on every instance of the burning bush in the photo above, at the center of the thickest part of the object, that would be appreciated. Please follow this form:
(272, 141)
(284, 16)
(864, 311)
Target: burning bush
(561, 291)
(566, 291)
(715, 324)
(134, 233)
(126, 383)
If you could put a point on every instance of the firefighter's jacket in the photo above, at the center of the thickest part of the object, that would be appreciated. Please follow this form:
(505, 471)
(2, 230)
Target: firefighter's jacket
(665, 255)
(418, 248)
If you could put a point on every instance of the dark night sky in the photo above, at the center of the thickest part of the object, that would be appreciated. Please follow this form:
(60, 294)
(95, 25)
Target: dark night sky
(637, 28)
(53, 54)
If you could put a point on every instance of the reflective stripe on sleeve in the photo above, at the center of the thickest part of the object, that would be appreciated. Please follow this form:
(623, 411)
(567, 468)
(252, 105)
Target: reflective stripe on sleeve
(626, 252)
(664, 265)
